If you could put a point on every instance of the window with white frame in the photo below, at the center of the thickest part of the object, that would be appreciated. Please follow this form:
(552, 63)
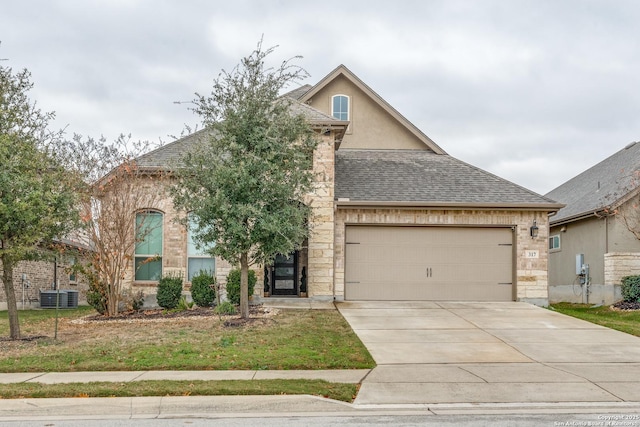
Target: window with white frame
(148, 252)
(554, 242)
(340, 107)
(198, 258)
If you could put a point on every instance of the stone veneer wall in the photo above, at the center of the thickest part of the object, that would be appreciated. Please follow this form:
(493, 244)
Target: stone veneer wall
(620, 264)
(531, 254)
(320, 248)
(174, 244)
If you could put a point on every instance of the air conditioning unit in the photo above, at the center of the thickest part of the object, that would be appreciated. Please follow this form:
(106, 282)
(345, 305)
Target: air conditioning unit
(48, 299)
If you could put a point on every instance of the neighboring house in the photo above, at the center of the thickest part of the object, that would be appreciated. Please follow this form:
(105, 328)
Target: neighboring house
(593, 229)
(396, 218)
(32, 277)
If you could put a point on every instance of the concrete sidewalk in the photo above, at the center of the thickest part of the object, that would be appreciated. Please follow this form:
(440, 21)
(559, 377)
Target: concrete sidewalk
(490, 353)
(351, 376)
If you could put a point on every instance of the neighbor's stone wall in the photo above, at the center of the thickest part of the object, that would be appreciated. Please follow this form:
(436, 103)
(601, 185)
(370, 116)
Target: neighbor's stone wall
(620, 264)
(531, 254)
(320, 248)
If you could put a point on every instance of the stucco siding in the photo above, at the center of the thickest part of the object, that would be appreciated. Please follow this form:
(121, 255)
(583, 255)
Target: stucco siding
(586, 237)
(371, 127)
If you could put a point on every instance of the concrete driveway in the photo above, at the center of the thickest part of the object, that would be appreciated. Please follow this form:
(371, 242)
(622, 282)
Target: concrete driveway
(459, 352)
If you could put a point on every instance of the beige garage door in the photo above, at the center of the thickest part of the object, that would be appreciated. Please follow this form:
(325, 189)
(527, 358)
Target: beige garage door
(428, 263)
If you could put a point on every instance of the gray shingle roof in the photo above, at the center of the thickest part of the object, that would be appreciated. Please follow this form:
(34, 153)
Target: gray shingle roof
(168, 155)
(598, 187)
(424, 177)
(297, 93)
(312, 114)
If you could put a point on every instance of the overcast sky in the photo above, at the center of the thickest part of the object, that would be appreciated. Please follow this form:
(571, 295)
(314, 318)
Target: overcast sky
(532, 91)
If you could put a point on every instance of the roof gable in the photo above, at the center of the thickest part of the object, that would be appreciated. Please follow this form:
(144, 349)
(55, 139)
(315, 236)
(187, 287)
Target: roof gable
(608, 184)
(343, 72)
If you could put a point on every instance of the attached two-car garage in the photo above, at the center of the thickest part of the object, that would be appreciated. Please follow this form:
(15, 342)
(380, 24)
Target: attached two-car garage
(429, 263)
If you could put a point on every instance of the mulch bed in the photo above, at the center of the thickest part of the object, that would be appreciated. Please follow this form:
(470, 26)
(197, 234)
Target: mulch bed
(158, 313)
(622, 305)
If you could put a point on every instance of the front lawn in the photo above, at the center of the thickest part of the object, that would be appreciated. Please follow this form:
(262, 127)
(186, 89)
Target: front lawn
(286, 339)
(625, 321)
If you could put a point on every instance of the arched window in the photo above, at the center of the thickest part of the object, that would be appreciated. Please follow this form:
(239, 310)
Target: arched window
(197, 258)
(340, 107)
(148, 254)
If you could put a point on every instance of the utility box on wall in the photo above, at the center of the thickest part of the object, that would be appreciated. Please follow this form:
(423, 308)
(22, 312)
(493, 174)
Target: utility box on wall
(579, 263)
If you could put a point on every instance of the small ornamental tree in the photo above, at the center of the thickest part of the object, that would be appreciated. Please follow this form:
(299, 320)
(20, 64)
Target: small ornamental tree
(116, 189)
(38, 195)
(245, 185)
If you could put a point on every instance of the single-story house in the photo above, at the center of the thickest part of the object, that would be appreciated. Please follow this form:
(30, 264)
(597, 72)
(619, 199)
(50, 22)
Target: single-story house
(594, 229)
(396, 217)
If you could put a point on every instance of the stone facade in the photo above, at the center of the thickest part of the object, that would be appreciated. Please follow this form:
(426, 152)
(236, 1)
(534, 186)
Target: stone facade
(317, 256)
(620, 264)
(616, 266)
(530, 254)
(174, 242)
(321, 245)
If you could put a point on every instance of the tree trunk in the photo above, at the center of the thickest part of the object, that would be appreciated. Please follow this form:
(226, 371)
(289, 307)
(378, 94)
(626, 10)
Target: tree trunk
(244, 286)
(9, 291)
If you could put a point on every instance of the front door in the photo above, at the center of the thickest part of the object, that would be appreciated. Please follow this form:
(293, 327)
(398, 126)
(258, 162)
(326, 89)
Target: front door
(285, 274)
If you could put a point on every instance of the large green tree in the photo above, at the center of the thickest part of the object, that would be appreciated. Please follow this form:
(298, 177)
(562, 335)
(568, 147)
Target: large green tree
(245, 184)
(37, 194)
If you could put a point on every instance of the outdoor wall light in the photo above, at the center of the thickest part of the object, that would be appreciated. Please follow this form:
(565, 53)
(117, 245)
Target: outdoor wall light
(534, 230)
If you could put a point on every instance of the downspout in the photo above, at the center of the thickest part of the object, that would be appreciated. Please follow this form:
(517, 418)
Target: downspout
(606, 234)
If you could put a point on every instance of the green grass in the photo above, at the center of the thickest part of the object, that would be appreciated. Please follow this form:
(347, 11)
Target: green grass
(625, 321)
(293, 339)
(337, 391)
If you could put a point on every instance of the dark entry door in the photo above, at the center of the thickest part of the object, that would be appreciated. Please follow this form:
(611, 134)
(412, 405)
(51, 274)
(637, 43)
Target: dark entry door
(285, 274)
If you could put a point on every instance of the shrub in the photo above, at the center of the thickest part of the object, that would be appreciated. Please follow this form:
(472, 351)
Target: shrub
(96, 297)
(132, 300)
(202, 291)
(169, 291)
(225, 308)
(233, 285)
(137, 300)
(631, 288)
(184, 305)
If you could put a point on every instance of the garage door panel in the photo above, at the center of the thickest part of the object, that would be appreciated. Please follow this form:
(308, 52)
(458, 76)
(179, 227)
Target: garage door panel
(428, 263)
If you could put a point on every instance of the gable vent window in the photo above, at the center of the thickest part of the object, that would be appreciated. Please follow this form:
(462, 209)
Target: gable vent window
(340, 107)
